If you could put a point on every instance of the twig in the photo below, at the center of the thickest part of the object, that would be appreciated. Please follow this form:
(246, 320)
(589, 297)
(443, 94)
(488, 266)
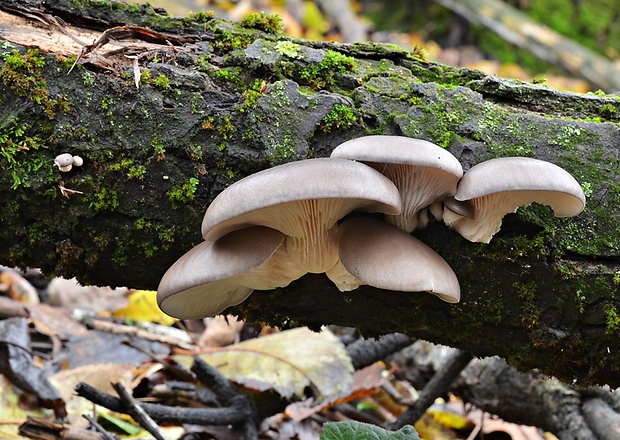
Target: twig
(138, 413)
(110, 327)
(453, 365)
(369, 351)
(165, 414)
(104, 433)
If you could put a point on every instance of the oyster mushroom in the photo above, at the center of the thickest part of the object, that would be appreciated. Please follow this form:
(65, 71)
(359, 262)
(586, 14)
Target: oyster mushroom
(303, 200)
(496, 187)
(423, 172)
(215, 275)
(383, 256)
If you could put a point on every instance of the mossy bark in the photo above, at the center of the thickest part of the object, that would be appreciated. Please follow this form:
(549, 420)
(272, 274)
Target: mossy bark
(234, 101)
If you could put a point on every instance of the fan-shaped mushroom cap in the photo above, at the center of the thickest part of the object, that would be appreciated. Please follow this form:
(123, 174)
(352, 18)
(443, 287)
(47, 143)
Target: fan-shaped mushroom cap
(422, 171)
(303, 200)
(386, 257)
(496, 187)
(215, 275)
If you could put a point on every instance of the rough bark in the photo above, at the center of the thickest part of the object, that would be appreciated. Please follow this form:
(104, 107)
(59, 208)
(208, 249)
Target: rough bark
(541, 294)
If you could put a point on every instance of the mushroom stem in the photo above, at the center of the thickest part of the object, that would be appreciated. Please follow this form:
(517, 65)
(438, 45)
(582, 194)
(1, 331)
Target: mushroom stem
(316, 252)
(414, 183)
(340, 276)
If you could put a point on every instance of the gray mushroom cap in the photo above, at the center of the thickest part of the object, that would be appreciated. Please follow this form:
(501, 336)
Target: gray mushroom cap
(64, 161)
(303, 200)
(422, 171)
(215, 275)
(496, 187)
(383, 256)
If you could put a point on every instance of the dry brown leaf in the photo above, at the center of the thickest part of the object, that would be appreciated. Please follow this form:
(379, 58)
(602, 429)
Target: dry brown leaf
(221, 331)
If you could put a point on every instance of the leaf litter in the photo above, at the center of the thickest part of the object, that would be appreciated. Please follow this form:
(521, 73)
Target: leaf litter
(50, 351)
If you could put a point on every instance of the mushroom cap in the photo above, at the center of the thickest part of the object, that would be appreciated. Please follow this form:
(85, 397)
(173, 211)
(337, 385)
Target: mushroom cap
(215, 275)
(386, 257)
(64, 162)
(78, 161)
(303, 200)
(422, 171)
(259, 198)
(499, 186)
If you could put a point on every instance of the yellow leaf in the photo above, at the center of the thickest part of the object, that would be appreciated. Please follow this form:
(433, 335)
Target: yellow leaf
(143, 307)
(429, 427)
(287, 361)
(450, 419)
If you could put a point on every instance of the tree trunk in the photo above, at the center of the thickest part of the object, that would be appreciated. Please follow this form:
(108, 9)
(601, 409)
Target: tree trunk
(221, 101)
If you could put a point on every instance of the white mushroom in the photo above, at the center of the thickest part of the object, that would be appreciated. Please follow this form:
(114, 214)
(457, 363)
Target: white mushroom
(64, 162)
(78, 161)
(422, 171)
(303, 200)
(492, 189)
(215, 275)
(386, 257)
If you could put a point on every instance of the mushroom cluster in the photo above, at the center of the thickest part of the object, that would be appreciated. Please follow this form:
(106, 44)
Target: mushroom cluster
(272, 227)
(65, 162)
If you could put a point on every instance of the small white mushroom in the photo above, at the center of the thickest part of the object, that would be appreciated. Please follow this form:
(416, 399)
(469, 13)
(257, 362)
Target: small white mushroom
(422, 171)
(386, 257)
(64, 162)
(303, 200)
(496, 187)
(215, 275)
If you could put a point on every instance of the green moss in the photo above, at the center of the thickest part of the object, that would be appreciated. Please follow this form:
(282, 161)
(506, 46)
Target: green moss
(321, 75)
(288, 48)
(15, 143)
(227, 42)
(104, 199)
(67, 62)
(251, 95)
(145, 76)
(281, 150)
(339, 117)
(162, 82)
(226, 128)
(88, 78)
(270, 23)
(106, 102)
(159, 150)
(228, 74)
(612, 319)
(531, 311)
(156, 236)
(608, 111)
(185, 193)
(200, 16)
(22, 74)
(128, 165)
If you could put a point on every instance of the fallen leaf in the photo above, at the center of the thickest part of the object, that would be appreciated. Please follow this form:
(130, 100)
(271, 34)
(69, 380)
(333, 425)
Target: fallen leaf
(18, 287)
(287, 361)
(220, 331)
(142, 306)
(365, 382)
